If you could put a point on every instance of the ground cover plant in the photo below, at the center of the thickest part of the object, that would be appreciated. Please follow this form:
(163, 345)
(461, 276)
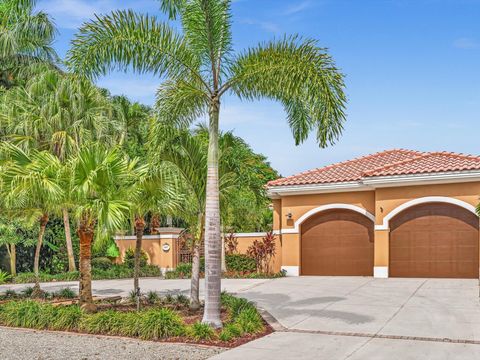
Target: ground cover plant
(166, 318)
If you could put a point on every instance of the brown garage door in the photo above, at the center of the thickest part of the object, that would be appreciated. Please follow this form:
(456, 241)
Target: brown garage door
(337, 242)
(434, 240)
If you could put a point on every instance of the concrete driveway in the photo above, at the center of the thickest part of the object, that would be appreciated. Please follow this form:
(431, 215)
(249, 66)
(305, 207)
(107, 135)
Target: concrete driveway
(346, 317)
(366, 318)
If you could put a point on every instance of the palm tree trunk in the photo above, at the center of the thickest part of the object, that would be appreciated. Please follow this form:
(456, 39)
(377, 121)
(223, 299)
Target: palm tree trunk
(139, 229)
(213, 242)
(195, 282)
(13, 260)
(68, 240)
(36, 260)
(85, 234)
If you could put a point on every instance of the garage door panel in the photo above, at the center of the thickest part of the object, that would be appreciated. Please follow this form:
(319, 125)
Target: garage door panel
(337, 242)
(434, 240)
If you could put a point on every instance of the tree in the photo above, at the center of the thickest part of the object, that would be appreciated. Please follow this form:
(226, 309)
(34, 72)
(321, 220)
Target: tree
(153, 191)
(201, 67)
(11, 237)
(26, 38)
(187, 152)
(57, 112)
(31, 183)
(100, 183)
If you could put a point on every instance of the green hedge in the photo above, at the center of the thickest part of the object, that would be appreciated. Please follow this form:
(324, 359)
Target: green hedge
(115, 272)
(150, 324)
(240, 262)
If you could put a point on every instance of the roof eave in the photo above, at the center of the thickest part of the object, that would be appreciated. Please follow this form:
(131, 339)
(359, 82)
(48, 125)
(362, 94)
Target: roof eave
(373, 182)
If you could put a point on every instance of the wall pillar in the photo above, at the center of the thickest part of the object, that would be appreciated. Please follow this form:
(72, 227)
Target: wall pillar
(381, 253)
(291, 254)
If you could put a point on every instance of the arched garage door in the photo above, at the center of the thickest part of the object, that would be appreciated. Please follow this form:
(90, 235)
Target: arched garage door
(434, 240)
(337, 242)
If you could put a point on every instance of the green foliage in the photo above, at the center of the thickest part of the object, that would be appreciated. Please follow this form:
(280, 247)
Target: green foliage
(152, 297)
(102, 263)
(160, 323)
(4, 277)
(66, 318)
(115, 272)
(112, 251)
(240, 262)
(249, 320)
(129, 259)
(66, 293)
(200, 331)
(182, 299)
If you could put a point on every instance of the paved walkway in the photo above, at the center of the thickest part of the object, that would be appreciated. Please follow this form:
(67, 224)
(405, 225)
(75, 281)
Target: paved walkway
(348, 317)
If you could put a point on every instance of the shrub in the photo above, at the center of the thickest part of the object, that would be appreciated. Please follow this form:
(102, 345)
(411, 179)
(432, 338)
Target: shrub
(262, 252)
(182, 300)
(231, 243)
(129, 259)
(27, 291)
(66, 293)
(230, 331)
(249, 320)
(200, 331)
(4, 277)
(28, 314)
(240, 262)
(11, 294)
(102, 263)
(160, 323)
(104, 322)
(152, 297)
(66, 318)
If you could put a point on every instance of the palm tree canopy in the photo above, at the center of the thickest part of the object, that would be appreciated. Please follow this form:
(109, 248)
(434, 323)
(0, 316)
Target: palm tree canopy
(200, 66)
(57, 112)
(101, 178)
(26, 37)
(31, 180)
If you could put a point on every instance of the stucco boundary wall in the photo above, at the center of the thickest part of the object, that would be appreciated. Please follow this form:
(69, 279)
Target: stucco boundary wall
(161, 249)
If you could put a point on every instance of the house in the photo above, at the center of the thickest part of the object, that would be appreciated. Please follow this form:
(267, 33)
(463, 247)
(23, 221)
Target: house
(396, 213)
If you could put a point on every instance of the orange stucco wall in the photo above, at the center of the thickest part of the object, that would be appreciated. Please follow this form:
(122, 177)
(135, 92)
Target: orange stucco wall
(299, 204)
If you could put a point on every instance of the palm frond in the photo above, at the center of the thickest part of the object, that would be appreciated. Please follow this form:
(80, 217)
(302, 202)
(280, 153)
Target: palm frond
(300, 75)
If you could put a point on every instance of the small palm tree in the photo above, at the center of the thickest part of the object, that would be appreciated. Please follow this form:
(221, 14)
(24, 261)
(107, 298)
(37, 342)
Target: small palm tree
(31, 182)
(26, 38)
(100, 181)
(187, 152)
(201, 67)
(154, 191)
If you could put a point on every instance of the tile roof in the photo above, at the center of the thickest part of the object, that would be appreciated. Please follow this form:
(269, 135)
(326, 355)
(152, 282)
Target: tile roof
(385, 163)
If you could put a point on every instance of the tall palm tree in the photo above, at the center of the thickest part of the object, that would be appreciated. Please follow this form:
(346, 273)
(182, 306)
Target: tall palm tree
(26, 38)
(57, 112)
(31, 182)
(154, 190)
(100, 182)
(201, 67)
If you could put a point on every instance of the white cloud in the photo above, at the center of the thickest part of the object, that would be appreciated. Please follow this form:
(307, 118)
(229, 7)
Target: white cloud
(70, 14)
(298, 7)
(265, 25)
(466, 43)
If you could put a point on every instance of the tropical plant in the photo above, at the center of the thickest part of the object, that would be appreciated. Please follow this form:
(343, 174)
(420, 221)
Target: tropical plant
(186, 151)
(31, 183)
(10, 236)
(201, 67)
(231, 243)
(58, 112)
(263, 252)
(100, 183)
(26, 38)
(153, 191)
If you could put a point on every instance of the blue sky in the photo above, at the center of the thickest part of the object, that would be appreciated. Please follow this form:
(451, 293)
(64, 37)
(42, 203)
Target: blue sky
(412, 72)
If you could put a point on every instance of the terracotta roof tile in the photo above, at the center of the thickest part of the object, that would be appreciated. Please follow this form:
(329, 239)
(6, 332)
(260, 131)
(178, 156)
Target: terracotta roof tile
(385, 163)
